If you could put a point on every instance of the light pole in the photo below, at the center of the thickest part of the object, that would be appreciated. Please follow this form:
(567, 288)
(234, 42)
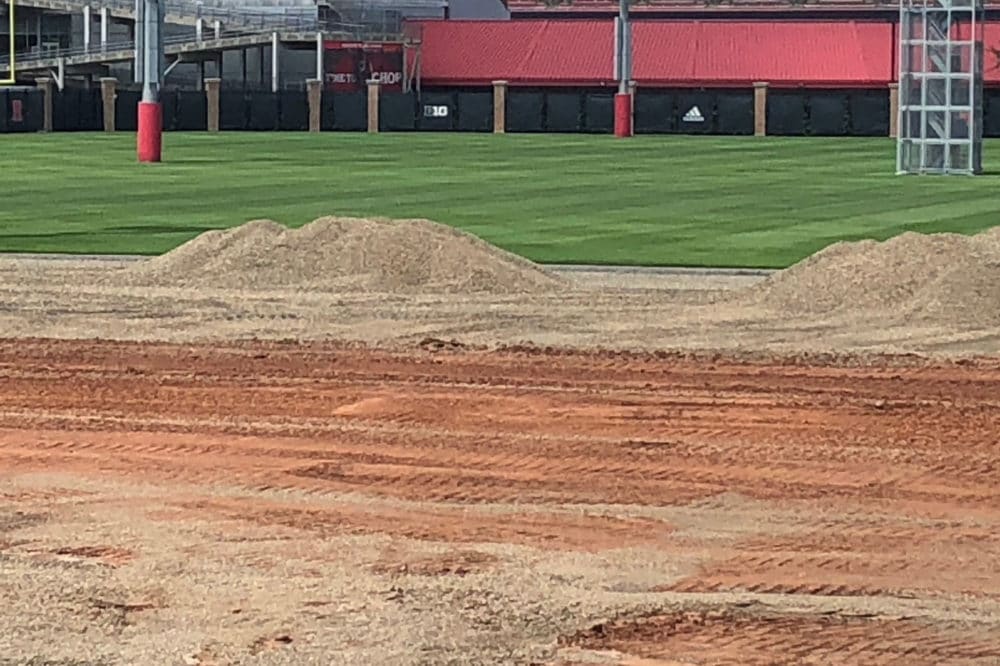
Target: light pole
(149, 19)
(623, 71)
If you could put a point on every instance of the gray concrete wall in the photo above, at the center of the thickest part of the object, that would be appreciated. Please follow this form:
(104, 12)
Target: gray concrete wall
(477, 9)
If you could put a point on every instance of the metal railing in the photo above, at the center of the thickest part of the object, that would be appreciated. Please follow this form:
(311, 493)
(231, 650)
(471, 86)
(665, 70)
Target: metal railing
(172, 45)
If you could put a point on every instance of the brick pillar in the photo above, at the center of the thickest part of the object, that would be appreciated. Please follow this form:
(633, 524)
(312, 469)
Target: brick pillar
(108, 94)
(373, 96)
(48, 92)
(760, 108)
(499, 107)
(212, 86)
(315, 95)
(893, 109)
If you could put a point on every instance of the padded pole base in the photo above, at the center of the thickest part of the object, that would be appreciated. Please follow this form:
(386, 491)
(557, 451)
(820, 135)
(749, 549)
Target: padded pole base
(623, 115)
(149, 138)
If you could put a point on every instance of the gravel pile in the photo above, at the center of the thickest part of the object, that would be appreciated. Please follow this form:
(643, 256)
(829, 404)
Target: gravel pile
(343, 255)
(935, 278)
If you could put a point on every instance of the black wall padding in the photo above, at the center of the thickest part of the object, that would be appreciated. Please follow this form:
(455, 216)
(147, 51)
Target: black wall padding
(690, 106)
(397, 112)
(991, 112)
(168, 103)
(475, 112)
(21, 110)
(828, 113)
(786, 113)
(869, 112)
(326, 112)
(599, 113)
(233, 108)
(524, 111)
(430, 108)
(191, 114)
(563, 112)
(294, 111)
(77, 110)
(127, 110)
(350, 111)
(653, 112)
(734, 112)
(264, 110)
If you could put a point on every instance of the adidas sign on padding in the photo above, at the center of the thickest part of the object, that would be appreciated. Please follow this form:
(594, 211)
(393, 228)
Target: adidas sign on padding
(694, 115)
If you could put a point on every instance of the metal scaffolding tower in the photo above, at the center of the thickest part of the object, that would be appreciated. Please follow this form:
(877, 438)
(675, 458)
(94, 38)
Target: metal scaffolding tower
(940, 87)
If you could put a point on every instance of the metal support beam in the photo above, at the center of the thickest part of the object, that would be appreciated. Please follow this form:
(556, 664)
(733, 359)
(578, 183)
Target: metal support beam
(104, 28)
(319, 56)
(275, 47)
(59, 76)
(171, 66)
(86, 27)
(243, 66)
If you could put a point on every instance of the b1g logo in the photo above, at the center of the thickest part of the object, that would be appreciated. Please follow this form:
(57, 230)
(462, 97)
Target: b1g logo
(16, 111)
(433, 111)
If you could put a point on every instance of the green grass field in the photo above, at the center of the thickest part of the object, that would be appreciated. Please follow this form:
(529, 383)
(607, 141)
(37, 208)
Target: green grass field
(691, 201)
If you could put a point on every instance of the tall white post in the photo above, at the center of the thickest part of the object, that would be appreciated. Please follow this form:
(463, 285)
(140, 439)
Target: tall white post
(199, 27)
(319, 56)
(104, 27)
(218, 29)
(275, 45)
(86, 27)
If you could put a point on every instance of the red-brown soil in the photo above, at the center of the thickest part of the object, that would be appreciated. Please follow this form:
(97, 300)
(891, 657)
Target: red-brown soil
(782, 479)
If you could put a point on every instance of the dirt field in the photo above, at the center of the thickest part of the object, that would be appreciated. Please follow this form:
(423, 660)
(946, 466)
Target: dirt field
(269, 503)
(372, 442)
(81, 299)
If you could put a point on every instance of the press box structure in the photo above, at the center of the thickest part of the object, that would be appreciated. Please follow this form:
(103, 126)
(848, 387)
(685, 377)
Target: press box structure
(940, 128)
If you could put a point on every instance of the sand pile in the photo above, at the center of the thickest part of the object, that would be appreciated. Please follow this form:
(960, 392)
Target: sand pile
(343, 254)
(946, 278)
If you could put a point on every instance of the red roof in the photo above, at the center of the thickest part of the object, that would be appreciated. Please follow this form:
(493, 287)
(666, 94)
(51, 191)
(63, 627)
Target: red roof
(522, 52)
(719, 53)
(667, 53)
(610, 7)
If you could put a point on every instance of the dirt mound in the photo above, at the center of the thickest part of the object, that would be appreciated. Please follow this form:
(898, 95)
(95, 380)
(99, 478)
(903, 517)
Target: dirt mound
(344, 254)
(935, 278)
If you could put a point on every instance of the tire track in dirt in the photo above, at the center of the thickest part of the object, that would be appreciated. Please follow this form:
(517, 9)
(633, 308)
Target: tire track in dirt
(896, 459)
(762, 638)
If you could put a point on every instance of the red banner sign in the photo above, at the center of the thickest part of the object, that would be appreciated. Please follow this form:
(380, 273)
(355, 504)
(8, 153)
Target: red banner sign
(350, 65)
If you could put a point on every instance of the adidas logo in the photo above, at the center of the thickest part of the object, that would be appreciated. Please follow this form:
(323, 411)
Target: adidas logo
(694, 115)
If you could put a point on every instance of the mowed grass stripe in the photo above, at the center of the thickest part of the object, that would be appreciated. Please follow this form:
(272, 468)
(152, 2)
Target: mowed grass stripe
(716, 201)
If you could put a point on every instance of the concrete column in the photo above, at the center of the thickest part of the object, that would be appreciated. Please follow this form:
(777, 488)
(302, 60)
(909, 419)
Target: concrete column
(760, 108)
(217, 26)
(373, 97)
(315, 94)
(275, 47)
(212, 87)
(86, 27)
(199, 29)
(499, 107)
(48, 92)
(108, 93)
(893, 110)
(104, 27)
